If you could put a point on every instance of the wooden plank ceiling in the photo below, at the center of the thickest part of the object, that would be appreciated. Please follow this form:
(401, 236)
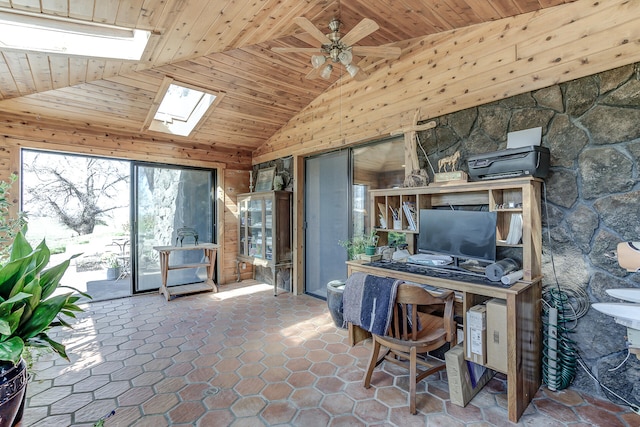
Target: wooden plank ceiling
(218, 45)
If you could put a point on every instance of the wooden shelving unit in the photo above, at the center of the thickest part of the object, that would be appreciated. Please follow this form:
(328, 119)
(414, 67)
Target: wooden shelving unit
(506, 196)
(210, 251)
(264, 230)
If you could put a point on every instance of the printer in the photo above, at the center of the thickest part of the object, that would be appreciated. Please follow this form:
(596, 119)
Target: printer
(532, 160)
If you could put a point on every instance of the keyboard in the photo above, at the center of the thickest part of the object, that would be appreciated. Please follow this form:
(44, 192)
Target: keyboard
(439, 272)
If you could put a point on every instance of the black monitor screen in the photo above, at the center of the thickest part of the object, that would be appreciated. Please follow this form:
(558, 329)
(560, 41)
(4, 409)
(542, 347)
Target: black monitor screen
(458, 233)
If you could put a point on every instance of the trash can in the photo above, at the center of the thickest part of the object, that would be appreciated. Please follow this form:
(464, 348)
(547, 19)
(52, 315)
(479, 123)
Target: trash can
(334, 301)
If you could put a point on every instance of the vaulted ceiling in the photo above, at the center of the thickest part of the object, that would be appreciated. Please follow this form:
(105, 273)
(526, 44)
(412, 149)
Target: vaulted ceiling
(218, 45)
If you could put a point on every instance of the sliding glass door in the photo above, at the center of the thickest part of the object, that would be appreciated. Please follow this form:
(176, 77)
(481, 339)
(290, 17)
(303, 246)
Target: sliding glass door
(326, 220)
(169, 198)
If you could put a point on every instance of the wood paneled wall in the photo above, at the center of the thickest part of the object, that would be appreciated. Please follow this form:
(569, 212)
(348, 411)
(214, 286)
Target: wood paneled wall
(235, 182)
(463, 68)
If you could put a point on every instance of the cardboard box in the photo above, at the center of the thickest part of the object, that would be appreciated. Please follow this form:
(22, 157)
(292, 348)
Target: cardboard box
(497, 335)
(476, 339)
(465, 379)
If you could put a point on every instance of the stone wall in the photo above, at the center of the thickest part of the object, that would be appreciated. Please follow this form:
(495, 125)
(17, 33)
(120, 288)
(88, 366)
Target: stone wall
(592, 128)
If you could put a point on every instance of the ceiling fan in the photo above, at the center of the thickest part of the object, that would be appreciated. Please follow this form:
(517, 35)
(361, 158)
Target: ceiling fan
(339, 49)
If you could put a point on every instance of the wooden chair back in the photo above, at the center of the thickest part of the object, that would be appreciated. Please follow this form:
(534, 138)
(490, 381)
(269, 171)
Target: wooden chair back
(415, 306)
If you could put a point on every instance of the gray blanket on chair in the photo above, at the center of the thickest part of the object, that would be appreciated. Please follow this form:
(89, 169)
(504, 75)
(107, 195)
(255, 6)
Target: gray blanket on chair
(368, 301)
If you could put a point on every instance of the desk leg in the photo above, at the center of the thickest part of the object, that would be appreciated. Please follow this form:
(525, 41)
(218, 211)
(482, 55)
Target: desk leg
(211, 255)
(356, 334)
(275, 280)
(523, 349)
(164, 273)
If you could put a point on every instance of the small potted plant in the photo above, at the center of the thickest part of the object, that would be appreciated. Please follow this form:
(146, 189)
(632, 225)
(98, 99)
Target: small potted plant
(113, 265)
(360, 244)
(371, 241)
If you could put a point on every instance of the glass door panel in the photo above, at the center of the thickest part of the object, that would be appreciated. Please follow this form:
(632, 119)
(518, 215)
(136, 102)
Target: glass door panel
(255, 222)
(167, 199)
(268, 229)
(327, 219)
(243, 250)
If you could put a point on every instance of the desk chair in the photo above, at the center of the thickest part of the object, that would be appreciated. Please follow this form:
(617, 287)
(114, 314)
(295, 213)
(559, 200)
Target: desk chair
(434, 318)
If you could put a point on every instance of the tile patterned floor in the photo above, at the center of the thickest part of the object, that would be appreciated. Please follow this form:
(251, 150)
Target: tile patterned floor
(244, 358)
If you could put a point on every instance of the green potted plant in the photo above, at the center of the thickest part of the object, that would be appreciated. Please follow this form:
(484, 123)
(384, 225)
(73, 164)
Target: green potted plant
(113, 265)
(28, 309)
(360, 244)
(371, 241)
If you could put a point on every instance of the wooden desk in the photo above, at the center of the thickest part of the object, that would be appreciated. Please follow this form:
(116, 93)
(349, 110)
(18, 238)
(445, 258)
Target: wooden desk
(210, 251)
(524, 344)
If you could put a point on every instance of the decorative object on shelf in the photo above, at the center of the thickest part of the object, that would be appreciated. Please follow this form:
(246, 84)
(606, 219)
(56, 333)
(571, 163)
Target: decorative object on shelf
(183, 232)
(395, 215)
(414, 177)
(264, 180)
(338, 49)
(417, 178)
(278, 182)
(448, 169)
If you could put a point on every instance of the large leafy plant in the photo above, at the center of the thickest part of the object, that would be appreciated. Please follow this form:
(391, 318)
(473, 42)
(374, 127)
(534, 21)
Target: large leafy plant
(10, 225)
(28, 306)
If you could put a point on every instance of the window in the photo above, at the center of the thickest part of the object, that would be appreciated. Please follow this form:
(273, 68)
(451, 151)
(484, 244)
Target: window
(51, 34)
(181, 109)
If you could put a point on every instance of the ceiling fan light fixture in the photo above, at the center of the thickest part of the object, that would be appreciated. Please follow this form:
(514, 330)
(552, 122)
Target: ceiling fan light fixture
(352, 69)
(326, 72)
(317, 61)
(345, 57)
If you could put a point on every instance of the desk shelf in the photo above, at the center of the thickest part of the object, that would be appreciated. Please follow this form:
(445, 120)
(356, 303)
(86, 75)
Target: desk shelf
(507, 197)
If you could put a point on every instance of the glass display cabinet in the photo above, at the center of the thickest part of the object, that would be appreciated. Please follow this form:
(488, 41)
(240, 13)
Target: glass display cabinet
(264, 230)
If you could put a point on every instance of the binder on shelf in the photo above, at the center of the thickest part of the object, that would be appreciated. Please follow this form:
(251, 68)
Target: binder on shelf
(515, 230)
(410, 213)
(382, 215)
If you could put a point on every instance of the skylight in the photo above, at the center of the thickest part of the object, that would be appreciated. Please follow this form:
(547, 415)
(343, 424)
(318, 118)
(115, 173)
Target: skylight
(43, 33)
(181, 110)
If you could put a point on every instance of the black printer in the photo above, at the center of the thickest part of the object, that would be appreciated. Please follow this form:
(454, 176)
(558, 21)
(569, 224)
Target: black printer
(513, 162)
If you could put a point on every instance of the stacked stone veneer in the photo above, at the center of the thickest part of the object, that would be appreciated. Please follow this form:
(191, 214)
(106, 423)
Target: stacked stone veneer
(592, 128)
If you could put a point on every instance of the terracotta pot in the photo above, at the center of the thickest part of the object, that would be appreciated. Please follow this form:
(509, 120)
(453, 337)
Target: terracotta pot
(13, 386)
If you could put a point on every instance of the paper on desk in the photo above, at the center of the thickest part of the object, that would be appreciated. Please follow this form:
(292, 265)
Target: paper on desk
(524, 138)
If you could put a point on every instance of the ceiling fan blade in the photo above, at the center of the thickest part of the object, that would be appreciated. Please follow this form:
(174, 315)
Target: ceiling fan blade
(313, 31)
(313, 74)
(361, 75)
(296, 49)
(360, 31)
(377, 51)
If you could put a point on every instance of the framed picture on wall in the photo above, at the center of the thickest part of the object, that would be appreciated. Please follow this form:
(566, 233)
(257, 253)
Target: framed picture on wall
(264, 180)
